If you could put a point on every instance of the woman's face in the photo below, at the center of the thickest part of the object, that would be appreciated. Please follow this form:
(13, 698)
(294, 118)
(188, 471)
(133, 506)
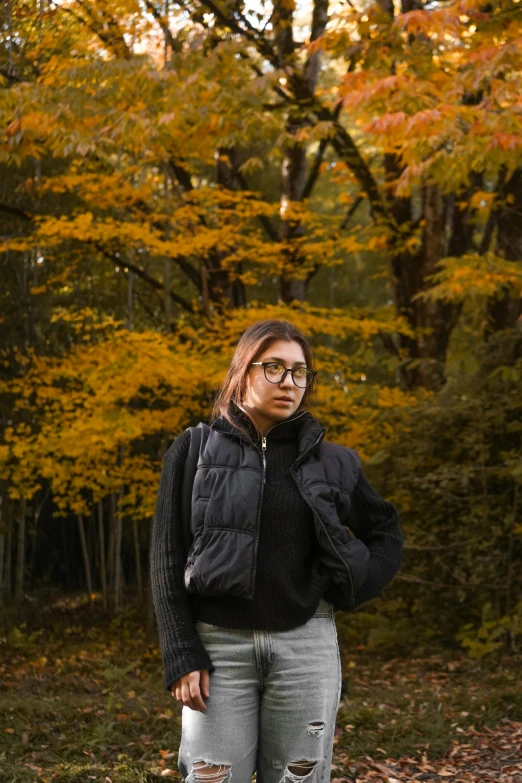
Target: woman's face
(274, 401)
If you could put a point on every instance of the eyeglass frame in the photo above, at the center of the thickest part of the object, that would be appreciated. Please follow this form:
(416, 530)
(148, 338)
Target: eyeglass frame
(287, 370)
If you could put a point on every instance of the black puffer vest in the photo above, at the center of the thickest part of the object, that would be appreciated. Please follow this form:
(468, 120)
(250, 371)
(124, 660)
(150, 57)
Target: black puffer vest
(226, 507)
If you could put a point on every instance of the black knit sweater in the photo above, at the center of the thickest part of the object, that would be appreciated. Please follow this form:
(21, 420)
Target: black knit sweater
(290, 579)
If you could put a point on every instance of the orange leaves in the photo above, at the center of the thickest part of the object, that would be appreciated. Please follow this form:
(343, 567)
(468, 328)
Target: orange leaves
(13, 128)
(446, 102)
(506, 141)
(415, 22)
(387, 123)
(376, 90)
(435, 23)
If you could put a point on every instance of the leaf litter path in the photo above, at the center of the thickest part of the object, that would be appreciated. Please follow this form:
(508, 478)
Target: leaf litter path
(488, 756)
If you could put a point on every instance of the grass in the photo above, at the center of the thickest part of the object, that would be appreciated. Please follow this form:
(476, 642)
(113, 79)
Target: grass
(85, 701)
(421, 706)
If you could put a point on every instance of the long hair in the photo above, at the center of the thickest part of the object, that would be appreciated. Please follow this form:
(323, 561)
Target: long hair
(251, 345)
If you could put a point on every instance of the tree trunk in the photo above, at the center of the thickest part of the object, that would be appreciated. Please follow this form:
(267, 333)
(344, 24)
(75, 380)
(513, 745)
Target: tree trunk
(38, 507)
(117, 555)
(137, 558)
(65, 549)
(294, 169)
(101, 544)
(2, 545)
(150, 603)
(86, 558)
(8, 580)
(20, 554)
(167, 301)
(224, 287)
(505, 312)
(409, 273)
(130, 294)
(293, 183)
(110, 550)
(2, 556)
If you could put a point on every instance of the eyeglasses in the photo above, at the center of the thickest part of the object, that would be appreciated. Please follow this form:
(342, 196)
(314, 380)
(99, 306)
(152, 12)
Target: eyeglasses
(276, 373)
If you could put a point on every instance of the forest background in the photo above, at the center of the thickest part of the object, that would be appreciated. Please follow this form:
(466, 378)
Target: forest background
(172, 172)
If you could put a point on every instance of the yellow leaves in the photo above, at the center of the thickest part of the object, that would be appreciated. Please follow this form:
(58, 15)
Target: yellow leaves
(130, 387)
(470, 276)
(83, 319)
(410, 176)
(62, 228)
(377, 242)
(481, 201)
(4, 456)
(252, 165)
(391, 397)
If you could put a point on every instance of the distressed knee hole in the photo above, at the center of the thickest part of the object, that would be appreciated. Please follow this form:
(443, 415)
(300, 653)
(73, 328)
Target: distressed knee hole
(315, 728)
(301, 769)
(206, 772)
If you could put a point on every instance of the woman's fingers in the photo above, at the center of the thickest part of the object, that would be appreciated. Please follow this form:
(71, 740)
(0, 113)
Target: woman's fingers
(187, 690)
(194, 686)
(204, 683)
(186, 696)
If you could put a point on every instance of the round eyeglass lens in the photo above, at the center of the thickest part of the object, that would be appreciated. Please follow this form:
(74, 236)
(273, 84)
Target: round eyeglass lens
(302, 375)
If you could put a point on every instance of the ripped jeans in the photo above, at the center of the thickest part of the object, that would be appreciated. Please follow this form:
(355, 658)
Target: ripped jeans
(272, 706)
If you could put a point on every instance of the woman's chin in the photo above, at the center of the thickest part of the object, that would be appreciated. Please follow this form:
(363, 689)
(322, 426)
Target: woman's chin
(279, 411)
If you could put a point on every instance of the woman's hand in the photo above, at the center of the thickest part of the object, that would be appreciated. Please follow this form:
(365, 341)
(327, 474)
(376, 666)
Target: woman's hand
(191, 688)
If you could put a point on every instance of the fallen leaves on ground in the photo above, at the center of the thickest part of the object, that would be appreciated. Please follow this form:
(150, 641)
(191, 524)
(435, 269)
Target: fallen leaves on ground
(486, 756)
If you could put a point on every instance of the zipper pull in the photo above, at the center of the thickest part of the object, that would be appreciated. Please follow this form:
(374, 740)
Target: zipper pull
(263, 446)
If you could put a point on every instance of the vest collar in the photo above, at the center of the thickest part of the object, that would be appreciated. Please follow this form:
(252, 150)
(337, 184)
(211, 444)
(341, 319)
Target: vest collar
(301, 425)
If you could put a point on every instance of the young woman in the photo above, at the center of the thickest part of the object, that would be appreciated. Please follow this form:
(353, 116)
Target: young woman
(285, 531)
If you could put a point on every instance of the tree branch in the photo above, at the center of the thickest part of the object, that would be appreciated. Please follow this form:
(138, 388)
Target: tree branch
(163, 23)
(10, 77)
(342, 142)
(464, 585)
(314, 172)
(21, 213)
(248, 31)
(347, 150)
(113, 39)
(343, 225)
(265, 222)
(143, 275)
(351, 212)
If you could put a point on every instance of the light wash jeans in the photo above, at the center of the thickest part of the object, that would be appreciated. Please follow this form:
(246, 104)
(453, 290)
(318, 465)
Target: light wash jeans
(273, 702)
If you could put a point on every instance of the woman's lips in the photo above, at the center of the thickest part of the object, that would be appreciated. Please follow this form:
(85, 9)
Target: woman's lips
(282, 401)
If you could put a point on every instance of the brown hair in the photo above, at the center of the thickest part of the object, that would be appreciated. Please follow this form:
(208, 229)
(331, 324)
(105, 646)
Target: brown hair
(251, 344)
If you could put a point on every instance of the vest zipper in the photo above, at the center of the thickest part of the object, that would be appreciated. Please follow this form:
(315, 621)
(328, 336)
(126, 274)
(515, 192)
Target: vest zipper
(263, 464)
(316, 515)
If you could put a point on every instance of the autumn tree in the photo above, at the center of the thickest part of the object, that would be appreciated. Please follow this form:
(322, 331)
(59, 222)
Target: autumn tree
(172, 172)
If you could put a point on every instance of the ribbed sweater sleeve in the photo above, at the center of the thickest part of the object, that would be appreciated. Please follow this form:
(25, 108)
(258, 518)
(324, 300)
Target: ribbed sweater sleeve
(376, 522)
(181, 647)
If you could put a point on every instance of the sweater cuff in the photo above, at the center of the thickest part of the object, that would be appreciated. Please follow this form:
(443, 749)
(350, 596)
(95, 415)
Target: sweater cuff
(184, 664)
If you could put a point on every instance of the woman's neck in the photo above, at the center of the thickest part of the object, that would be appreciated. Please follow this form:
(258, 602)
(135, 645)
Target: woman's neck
(262, 423)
